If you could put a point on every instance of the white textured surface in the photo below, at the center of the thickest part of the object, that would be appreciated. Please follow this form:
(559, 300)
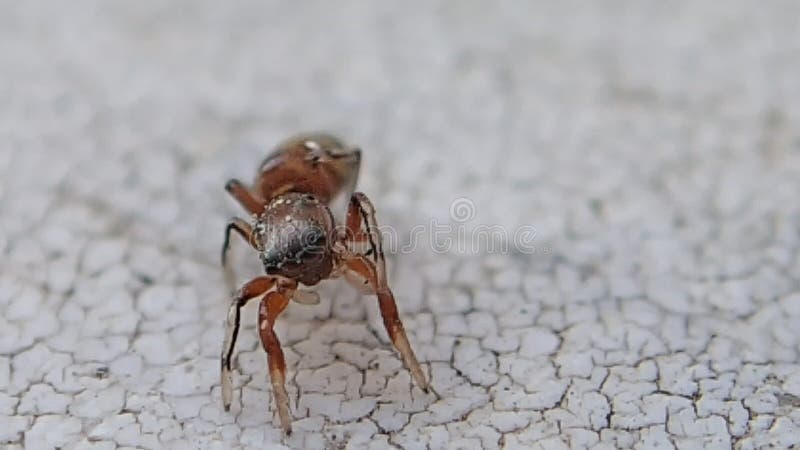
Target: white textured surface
(655, 149)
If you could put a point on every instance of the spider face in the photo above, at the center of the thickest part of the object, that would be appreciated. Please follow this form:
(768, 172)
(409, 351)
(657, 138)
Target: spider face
(294, 236)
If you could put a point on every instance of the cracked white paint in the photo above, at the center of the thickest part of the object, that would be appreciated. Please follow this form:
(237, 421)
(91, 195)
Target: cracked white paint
(654, 149)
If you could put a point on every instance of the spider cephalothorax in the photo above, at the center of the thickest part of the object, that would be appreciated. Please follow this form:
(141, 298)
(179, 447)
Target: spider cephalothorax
(294, 237)
(295, 234)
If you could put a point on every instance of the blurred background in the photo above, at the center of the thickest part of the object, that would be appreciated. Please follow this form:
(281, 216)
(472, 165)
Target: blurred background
(553, 105)
(654, 147)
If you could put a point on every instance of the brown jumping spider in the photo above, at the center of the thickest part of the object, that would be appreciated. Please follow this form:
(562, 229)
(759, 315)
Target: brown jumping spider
(295, 234)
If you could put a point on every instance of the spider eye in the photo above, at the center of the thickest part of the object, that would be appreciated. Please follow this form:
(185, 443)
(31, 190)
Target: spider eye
(260, 228)
(259, 231)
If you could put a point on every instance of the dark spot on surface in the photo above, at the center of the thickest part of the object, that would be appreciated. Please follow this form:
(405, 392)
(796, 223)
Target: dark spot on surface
(101, 372)
(788, 400)
(596, 206)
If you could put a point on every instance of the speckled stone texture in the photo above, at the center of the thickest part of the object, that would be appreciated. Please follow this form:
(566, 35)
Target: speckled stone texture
(654, 147)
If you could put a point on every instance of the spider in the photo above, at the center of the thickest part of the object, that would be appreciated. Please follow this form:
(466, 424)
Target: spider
(299, 244)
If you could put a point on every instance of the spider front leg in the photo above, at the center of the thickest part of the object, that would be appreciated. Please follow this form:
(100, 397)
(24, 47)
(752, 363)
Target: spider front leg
(253, 288)
(244, 230)
(370, 269)
(245, 197)
(271, 306)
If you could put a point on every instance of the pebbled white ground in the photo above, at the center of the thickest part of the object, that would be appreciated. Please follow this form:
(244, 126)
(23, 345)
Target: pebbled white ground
(654, 148)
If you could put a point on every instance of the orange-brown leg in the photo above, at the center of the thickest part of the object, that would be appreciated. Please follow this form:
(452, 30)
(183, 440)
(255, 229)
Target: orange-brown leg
(241, 228)
(245, 198)
(363, 270)
(272, 305)
(253, 288)
(357, 215)
(244, 230)
(372, 268)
